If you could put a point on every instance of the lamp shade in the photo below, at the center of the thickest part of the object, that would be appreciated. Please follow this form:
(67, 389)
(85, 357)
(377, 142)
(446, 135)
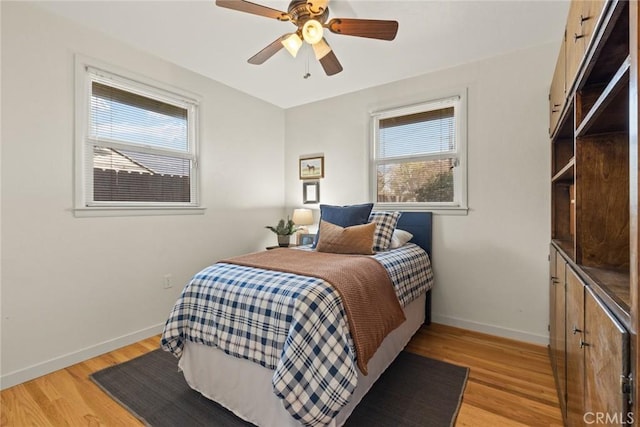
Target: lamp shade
(302, 216)
(292, 43)
(312, 31)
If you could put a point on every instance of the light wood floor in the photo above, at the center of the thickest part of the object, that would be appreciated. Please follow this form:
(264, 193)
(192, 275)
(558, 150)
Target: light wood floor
(510, 384)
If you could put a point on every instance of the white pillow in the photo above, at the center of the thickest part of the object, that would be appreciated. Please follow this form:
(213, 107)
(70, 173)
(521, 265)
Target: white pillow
(399, 238)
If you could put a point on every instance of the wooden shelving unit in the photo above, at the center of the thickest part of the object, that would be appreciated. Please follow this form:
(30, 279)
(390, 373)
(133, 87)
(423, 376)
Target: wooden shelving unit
(590, 158)
(594, 214)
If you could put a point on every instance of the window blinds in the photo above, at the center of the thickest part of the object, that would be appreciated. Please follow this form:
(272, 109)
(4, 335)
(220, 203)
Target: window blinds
(132, 118)
(419, 134)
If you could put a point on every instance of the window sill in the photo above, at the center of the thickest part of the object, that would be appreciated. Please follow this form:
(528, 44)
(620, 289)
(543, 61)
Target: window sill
(436, 210)
(135, 211)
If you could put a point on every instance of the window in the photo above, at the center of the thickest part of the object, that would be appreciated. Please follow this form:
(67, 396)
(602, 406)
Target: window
(137, 144)
(419, 156)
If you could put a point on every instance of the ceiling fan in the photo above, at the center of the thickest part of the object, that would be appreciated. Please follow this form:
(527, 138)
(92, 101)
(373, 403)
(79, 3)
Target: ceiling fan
(310, 18)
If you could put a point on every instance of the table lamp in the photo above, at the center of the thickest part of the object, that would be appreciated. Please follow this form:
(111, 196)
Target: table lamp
(302, 218)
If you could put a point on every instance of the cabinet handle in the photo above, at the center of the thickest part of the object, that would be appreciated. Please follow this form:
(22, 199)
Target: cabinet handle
(576, 330)
(577, 36)
(583, 344)
(583, 19)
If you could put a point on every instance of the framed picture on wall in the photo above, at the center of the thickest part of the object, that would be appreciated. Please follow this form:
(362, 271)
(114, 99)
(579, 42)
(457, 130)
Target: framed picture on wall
(311, 192)
(312, 167)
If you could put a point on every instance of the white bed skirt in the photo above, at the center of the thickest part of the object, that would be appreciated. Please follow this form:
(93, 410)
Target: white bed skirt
(245, 388)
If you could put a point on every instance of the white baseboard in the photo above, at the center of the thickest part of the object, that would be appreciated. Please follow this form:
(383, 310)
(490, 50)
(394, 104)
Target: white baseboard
(37, 370)
(491, 329)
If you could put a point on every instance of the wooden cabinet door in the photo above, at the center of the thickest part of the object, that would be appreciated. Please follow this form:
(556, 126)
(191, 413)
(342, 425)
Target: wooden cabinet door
(606, 362)
(575, 353)
(557, 328)
(558, 91)
(574, 41)
(553, 283)
(581, 25)
(591, 11)
(552, 291)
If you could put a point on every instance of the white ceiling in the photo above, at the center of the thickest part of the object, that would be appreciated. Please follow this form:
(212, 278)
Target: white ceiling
(217, 42)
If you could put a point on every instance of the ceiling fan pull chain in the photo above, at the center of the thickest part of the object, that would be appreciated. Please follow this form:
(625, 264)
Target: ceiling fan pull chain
(307, 74)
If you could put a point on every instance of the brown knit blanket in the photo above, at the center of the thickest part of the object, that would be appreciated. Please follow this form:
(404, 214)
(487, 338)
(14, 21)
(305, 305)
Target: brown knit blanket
(368, 296)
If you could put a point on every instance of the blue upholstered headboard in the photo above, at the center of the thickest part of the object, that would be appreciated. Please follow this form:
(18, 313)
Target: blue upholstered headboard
(418, 224)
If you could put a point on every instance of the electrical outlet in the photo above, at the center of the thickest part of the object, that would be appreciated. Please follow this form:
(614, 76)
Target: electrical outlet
(167, 281)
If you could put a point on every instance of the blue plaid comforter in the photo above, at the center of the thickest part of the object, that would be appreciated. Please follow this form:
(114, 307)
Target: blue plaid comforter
(295, 325)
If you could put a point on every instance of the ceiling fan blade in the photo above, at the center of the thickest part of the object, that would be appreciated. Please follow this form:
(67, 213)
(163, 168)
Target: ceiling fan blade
(370, 28)
(329, 61)
(317, 6)
(267, 52)
(321, 48)
(256, 9)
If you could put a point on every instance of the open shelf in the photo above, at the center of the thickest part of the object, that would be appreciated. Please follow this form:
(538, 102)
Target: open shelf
(602, 200)
(614, 282)
(610, 284)
(608, 111)
(566, 173)
(563, 215)
(612, 47)
(563, 149)
(566, 246)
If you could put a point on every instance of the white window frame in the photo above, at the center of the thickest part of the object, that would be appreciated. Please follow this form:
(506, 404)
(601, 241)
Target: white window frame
(457, 100)
(89, 70)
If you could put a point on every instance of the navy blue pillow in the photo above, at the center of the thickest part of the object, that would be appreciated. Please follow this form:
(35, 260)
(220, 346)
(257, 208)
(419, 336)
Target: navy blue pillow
(344, 216)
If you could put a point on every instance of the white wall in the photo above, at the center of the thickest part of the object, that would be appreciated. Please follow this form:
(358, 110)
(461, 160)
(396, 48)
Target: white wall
(77, 287)
(491, 265)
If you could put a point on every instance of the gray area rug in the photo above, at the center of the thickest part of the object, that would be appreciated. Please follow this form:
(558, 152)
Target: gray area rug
(413, 391)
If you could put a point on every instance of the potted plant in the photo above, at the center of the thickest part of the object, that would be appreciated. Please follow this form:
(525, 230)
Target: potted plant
(284, 230)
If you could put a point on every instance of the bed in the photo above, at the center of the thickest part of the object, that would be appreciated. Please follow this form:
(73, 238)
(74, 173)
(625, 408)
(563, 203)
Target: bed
(301, 369)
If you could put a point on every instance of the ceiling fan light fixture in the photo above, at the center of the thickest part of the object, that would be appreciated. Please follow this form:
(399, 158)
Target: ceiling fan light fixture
(311, 17)
(312, 31)
(292, 43)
